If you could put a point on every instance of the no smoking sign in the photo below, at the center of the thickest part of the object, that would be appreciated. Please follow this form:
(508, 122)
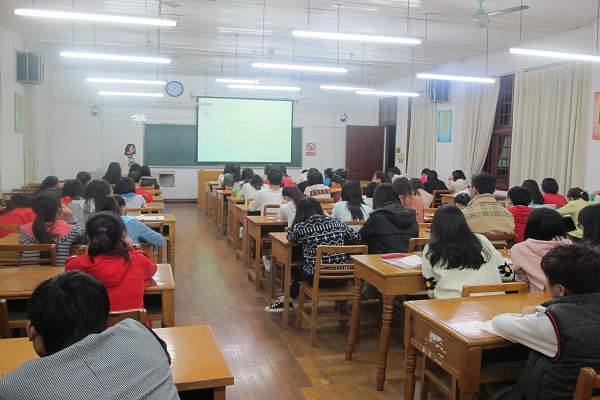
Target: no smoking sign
(311, 149)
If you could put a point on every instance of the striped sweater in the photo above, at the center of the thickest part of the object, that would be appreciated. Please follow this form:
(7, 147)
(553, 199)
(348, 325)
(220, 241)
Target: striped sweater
(64, 234)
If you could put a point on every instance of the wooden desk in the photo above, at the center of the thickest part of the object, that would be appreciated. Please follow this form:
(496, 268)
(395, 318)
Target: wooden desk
(157, 198)
(156, 207)
(20, 282)
(241, 212)
(221, 209)
(196, 359)
(209, 187)
(448, 330)
(254, 230)
(391, 281)
(447, 198)
(169, 232)
(281, 252)
(205, 177)
(232, 201)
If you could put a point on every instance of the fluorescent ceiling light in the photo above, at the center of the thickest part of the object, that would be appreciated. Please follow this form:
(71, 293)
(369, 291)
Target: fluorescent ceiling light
(456, 78)
(349, 88)
(114, 57)
(555, 54)
(381, 93)
(355, 37)
(299, 67)
(134, 81)
(265, 87)
(94, 17)
(131, 94)
(233, 80)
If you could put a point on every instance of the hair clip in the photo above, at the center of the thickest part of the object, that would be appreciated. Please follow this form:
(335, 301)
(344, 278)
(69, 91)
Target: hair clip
(102, 230)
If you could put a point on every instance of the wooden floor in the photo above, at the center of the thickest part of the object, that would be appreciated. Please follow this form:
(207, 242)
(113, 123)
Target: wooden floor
(270, 362)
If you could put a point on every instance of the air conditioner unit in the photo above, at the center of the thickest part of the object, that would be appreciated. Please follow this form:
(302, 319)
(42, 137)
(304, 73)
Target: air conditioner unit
(30, 68)
(438, 91)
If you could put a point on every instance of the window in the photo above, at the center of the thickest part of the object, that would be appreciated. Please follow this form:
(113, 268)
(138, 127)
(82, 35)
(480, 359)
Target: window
(497, 162)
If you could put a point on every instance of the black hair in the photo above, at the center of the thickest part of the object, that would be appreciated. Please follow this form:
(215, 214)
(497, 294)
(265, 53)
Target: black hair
(342, 172)
(336, 178)
(97, 191)
(452, 243)
(294, 193)
(404, 189)
(576, 267)
(328, 173)
(396, 170)
(458, 174)
(370, 189)
(274, 176)
(267, 169)
(589, 219)
(135, 167)
(549, 185)
(303, 171)
(256, 182)
(113, 173)
(425, 171)
(544, 223)
(537, 197)
(84, 177)
(519, 195)
(247, 174)
(417, 184)
(135, 176)
(432, 175)
(306, 208)
(283, 170)
(49, 182)
(73, 188)
(235, 171)
(577, 193)
(105, 230)
(67, 308)
(382, 176)
(462, 199)
(113, 203)
(314, 177)
(484, 182)
(145, 170)
(45, 206)
(227, 169)
(352, 195)
(384, 193)
(127, 148)
(124, 185)
(17, 200)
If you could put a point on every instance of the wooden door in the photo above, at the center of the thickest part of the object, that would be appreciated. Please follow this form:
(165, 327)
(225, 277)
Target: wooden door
(364, 151)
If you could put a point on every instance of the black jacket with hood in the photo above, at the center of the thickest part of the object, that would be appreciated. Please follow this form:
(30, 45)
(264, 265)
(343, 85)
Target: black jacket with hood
(389, 228)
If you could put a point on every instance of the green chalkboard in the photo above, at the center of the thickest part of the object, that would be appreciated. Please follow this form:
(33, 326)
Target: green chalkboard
(171, 145)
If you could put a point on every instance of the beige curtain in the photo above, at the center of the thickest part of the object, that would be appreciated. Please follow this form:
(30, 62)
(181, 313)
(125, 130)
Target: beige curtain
(550, 114)
(423, 131)
(29, 135)
(480, 111)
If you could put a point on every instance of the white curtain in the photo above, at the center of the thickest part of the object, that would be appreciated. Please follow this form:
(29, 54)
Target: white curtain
(29, 135)
(480, 110)
(550, 115)
(423, 136)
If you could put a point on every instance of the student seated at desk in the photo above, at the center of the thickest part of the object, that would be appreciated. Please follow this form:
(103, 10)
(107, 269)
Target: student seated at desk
(84, 177)
(234, 175)
(578, 199)
(72, 190)
(369, 192)
(352, 207)
(247, 173)
(137, 180)
(270, 195)
(147, 178)
(335, 187)
(17, 212)
(315, 187)
(410, 198)
(82, 359)
(286, 180)
(562, 333)
(484, 214)
(455, 256)
(113, 173)
(94, 195)
(550, 190)
(536, 196)
(291, 197)
(457, 182)
(112, 260)
(518, 199)
(249, 190)
(589, 223)
(462, 200)
(126, 188)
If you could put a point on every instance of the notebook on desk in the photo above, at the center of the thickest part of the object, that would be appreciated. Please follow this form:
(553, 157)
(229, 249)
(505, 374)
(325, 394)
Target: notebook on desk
(404, 262)
(150, 218)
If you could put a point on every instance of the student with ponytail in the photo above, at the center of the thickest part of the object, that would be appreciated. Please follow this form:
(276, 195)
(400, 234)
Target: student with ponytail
(111, 258)
(578, 199)
(53, 223)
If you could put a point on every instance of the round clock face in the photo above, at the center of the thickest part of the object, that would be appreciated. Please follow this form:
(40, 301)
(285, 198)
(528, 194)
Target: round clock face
(174, 88)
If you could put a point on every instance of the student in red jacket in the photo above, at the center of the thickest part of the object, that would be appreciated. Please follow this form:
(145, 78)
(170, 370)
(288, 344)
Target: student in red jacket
(17, 212)
(550, 190)
(518, 199)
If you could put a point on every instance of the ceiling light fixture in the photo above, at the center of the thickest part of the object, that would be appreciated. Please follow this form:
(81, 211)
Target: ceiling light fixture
(232, 80)
(265, 87)
(555, 54)
(114, 57)
(296, 67)
(456, 78)
(349, 88)
(354, 37)
(133, 81)
(94, 17)
(382, 93)
(104, 93)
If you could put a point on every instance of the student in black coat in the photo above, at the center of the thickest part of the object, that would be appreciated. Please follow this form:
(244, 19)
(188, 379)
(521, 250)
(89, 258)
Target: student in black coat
(433, 183)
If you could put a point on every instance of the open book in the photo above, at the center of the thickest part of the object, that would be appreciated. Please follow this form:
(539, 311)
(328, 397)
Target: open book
(404, 262)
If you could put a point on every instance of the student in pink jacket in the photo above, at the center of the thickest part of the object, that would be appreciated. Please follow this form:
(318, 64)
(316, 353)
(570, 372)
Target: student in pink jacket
(544, 230)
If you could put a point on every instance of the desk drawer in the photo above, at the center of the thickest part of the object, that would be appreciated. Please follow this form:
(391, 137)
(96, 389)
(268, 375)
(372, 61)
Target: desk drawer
(439, 346)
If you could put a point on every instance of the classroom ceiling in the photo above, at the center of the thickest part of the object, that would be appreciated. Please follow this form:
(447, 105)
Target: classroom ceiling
(204, 42)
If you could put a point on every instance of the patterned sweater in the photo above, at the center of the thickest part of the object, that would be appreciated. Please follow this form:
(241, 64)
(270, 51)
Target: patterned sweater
(65, 234)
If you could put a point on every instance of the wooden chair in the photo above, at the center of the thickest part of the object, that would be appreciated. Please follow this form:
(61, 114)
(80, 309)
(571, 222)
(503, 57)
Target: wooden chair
(512, 287)
(271, 210)
(325, 200)
(11, 238)
(437, 197)
(139, 314)
(501, 240)
(4, 327)
(424, 229)
(77, 249)
(587, 382)
(248, 200)
(142, 210)
(149, 189)
(417, 244)
(356, 225)
(28, 261)
(325, 272)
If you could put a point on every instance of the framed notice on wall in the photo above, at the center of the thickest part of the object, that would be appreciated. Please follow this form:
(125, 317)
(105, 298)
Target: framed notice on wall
(444, 130)
(596, 117)
(19, 113)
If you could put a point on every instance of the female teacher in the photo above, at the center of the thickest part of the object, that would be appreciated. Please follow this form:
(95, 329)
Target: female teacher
(126, 159)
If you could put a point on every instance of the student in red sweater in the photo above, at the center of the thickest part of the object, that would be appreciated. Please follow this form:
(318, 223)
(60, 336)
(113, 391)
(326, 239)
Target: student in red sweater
(518, 199)
(551, 196)
(137, 179)
(112, 260)
(17, 212)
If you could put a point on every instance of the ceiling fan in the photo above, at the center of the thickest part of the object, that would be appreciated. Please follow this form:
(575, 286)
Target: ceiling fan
(483, 18)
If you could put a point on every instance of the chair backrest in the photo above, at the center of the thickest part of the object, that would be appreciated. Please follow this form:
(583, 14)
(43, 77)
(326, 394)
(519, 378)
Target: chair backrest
(326, 200)
(77, 249)
(271, 210)
(4, 326)
(437, 197)
(149, 189)
(587, 382)
(356, 225)
(516, 287)
(142, 210)
(501, 240)
(139, 314)
(249, 200)
(12, 237)
(336, 271)
(28, 259)
(417, 244)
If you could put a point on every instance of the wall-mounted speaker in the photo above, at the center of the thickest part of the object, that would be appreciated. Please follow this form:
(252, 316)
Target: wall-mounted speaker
(30, 68)
(438, 91)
